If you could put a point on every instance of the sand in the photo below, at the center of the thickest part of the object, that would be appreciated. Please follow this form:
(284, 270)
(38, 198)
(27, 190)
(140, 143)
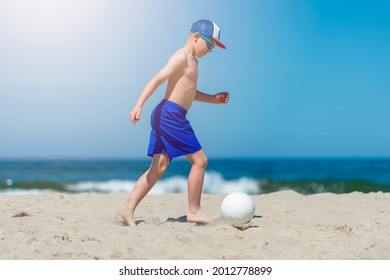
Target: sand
(286, 226)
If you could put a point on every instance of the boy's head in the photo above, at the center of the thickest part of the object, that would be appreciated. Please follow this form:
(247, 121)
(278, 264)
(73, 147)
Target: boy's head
(209, 29)
(208, 33)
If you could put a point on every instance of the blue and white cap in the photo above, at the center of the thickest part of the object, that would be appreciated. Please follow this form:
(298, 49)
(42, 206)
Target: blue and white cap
(209, 29)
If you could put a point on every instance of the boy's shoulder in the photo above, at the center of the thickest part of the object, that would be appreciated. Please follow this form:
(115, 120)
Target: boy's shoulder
(183, 56)
(180, 54)
(180, 57)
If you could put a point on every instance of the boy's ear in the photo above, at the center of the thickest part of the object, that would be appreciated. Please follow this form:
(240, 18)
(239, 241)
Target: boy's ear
(196, 36)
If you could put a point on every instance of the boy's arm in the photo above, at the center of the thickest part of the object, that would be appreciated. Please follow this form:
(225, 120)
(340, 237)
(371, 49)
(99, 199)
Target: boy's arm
(176, 62)
(219, 98)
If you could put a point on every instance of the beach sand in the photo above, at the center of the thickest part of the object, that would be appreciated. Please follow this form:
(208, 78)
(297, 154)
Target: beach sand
(286, 226)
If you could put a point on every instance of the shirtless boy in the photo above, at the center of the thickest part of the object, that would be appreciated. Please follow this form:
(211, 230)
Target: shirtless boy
(172, 135)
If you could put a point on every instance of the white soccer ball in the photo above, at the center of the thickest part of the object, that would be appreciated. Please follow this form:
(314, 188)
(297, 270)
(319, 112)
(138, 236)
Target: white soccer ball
(238, 208)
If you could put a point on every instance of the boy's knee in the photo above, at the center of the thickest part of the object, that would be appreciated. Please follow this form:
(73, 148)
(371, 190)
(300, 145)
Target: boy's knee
(162, 166)
(202, 161)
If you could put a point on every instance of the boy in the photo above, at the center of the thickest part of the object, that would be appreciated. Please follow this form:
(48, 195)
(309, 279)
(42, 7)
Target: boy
(172, 135)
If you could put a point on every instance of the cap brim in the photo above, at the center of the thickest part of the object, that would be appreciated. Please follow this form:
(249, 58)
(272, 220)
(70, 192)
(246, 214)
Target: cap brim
(219, 44)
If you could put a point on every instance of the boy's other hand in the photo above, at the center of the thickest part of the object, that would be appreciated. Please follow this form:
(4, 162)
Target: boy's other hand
(222, 98)
(135, 114)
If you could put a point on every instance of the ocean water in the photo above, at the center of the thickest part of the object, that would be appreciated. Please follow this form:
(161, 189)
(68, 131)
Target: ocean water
(252, 176)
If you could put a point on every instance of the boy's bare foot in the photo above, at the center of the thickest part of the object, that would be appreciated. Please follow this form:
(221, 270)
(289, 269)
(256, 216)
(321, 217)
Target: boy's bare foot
(198, 217)
(127, 215)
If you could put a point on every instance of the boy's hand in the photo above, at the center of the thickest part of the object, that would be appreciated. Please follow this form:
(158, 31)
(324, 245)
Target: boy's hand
(135, 114)
(222, 98)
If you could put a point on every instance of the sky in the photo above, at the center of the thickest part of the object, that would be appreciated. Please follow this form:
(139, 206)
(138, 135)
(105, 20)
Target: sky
(306, 78)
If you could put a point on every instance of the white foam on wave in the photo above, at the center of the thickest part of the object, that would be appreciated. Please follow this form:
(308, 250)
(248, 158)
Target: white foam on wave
(102, 186)
(23, 192)
(214, 183)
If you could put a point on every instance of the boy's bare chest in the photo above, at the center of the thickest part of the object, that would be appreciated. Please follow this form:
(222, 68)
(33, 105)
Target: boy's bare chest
(191, 71)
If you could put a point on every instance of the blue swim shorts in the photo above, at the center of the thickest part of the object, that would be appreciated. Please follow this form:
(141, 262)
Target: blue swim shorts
(171, 131)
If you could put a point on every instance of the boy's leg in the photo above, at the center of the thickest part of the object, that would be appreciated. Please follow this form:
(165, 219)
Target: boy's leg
(195, 184)
(143, 186)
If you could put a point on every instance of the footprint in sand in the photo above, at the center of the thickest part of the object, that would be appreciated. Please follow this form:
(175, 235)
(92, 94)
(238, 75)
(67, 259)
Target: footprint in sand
(20, 215)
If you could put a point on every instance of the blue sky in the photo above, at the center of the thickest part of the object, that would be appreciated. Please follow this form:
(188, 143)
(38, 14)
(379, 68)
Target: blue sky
(306, 78)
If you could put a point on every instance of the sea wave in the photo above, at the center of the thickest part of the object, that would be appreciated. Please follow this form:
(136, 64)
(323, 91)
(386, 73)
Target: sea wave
(214, 183)
(24, 191)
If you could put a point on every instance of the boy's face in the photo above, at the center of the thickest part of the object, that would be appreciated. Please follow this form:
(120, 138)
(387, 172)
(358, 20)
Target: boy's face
(203, 45)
